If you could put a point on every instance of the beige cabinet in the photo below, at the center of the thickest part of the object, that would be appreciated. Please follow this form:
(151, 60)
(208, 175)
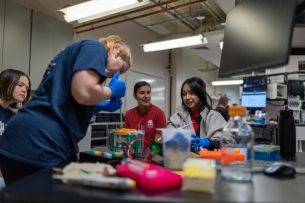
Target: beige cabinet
(49, 36)
(63, 35)
(42, 46)
(2, 5)
(30, 40)
(17, 37)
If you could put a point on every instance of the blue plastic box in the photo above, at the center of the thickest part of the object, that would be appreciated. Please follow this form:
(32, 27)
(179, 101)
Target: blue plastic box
(267, 152)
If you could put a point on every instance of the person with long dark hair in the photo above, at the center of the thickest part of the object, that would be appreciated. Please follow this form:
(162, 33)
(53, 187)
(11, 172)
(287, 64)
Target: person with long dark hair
(196, 108)
(15, 87)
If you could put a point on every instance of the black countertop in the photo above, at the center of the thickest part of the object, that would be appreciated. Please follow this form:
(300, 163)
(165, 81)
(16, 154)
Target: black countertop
(40, 187)
(261, 189)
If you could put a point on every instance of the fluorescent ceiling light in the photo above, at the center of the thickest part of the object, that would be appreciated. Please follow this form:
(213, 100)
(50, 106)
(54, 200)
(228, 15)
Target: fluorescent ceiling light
(227, 82)
(175, 43)
(99, 8)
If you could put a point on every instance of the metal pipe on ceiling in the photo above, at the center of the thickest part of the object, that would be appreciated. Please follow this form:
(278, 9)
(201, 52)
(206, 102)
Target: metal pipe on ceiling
(168, 21)
(141, 16)
(124, 14)
(212, 11)
(189, 25)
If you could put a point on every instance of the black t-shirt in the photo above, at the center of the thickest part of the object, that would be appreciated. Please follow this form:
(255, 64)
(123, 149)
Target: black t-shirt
(223, 112)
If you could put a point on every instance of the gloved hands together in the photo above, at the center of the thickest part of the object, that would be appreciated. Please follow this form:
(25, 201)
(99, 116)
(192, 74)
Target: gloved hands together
(117, 87)
(109, 105)
(199, 142)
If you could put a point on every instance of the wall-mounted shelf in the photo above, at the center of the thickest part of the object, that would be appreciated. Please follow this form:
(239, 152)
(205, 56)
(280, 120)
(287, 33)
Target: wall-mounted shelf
(272, 91)
(98, 135)
(100, 132)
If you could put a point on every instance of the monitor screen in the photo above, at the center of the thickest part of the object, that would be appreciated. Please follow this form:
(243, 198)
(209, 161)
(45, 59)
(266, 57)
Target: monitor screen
(254, 100)
(257, 36)
(255, 84)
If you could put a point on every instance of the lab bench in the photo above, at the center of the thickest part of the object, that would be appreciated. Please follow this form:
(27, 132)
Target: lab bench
(40, 187)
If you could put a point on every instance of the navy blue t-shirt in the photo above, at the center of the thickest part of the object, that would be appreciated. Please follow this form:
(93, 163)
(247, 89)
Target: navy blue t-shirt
(5, 116)
(46, 130)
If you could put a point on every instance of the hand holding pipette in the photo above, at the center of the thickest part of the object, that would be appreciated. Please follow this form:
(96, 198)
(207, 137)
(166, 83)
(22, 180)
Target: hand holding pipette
(104, 182)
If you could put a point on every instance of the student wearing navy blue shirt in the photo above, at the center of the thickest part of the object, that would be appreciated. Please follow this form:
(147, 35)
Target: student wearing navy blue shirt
(15, 88)
(45, 132)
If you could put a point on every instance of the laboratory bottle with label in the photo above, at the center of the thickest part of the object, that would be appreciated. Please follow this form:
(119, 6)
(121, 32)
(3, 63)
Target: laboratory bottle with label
(237, 151)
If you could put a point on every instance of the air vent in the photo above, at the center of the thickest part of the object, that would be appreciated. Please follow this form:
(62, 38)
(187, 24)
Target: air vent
(201, 48)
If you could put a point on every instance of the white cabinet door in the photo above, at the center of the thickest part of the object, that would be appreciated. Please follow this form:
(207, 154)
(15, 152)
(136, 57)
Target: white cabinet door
(17, 37)
(41, 47)
(2, 7)
(300, 138)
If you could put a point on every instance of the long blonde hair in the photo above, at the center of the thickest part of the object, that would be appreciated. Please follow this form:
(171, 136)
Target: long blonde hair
(112, 42)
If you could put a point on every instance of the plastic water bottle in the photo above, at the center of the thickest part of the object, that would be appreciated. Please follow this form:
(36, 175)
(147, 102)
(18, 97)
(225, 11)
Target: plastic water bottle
(237, 151)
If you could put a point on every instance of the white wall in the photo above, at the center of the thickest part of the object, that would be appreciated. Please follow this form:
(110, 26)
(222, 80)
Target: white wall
(177, 80)
(191, 64)
(231, 91)
(185, 64)
(292, 66)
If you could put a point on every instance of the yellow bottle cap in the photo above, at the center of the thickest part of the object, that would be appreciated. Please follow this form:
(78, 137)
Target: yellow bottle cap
(133, 184)
(124, 131)
(237, 110)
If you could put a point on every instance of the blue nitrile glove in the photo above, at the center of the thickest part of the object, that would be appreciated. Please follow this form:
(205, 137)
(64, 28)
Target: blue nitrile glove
(109, 105)
(178, 142)
(117, 87)
(200, 142)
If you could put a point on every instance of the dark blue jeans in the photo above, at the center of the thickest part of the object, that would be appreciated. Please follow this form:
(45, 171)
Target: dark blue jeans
(14, 170)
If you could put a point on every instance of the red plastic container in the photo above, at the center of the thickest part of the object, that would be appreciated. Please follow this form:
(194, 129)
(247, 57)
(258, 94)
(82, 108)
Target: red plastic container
(149, 176)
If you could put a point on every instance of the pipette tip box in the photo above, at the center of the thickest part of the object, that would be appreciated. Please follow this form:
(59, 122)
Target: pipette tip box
(199, 175)
(267, 152)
